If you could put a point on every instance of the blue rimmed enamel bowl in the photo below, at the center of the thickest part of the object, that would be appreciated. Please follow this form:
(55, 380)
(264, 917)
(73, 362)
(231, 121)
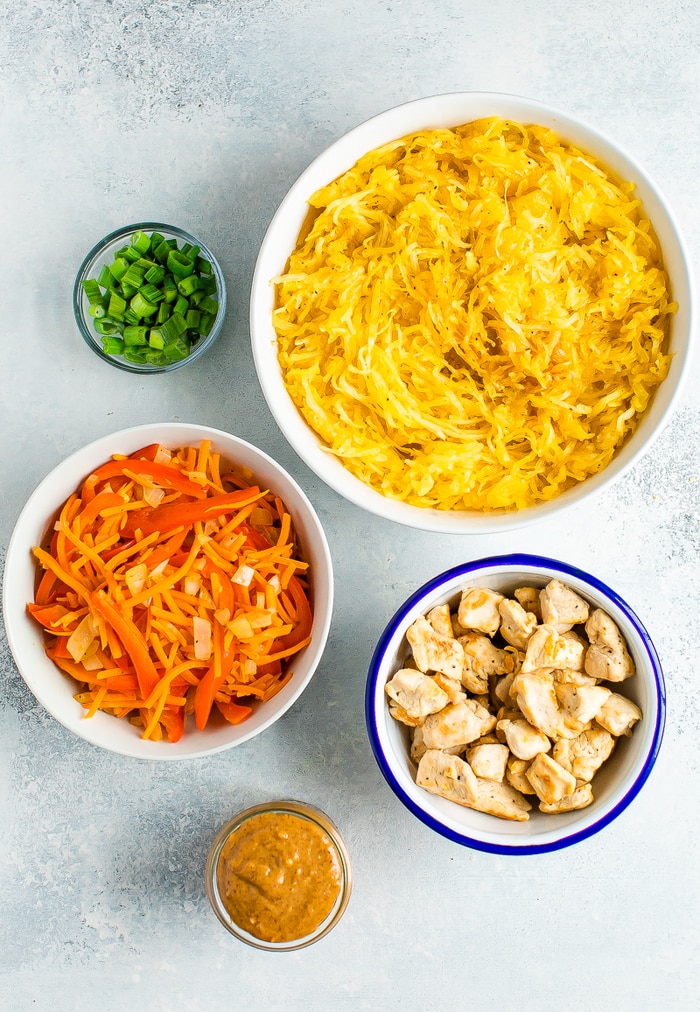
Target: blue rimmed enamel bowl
(618, 781)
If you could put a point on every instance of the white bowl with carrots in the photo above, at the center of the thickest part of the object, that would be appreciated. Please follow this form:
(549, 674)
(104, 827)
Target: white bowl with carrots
(168, 591)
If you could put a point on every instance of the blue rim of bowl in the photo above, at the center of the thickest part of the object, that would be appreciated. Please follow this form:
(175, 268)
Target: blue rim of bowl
(92, 339)
(512, 562)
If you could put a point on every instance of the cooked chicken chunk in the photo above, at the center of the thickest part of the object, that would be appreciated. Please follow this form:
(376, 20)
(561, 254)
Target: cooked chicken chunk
(548, 648)
(618, 715)
(524, 740)
(415, 693)
(478, 610)
(550, 781)
(419, 748)
(581, 702)
(515, 775)
(533, 691)
(517, 625)
(607, 657)
(501, 689)
(529, 598)
(571, 677)
(581, 798)
(584, 755)
(398, 713)
(488, 761)
(482, 659)
(451, 686)
(434, 652)
(562, 608)
(457, 724)
(452, 778)
(441, 620)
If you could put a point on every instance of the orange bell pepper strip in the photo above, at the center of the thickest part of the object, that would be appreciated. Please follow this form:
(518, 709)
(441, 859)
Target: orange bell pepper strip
(48, 615)
(234, 713)
(162, 474)
(103, 500)
(131, 639)
(173, 720)
(166, 518)
(303, 616)
(210, 685)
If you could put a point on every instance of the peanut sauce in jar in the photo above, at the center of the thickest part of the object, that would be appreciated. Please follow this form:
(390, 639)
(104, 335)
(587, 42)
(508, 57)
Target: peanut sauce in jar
(279, 875)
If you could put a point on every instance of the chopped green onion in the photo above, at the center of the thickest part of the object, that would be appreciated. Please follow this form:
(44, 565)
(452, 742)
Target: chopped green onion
(188, 285)
(181, 306)
(141, 306)
(112, 345)
(173, 327)
(155, 274)
(176, 350)
(154, 302)
(179, 264)
(169, 289)
(93, 292)
(134, 276)
(106, 327)
(141, 242)
(135, 335)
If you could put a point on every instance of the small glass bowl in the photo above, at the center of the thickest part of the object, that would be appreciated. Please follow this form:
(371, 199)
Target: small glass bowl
(314, 816)
(103, 253)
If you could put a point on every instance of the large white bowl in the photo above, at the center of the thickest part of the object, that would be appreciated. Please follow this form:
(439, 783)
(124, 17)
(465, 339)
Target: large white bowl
(617, 782)
(55, 690)
(280, 240)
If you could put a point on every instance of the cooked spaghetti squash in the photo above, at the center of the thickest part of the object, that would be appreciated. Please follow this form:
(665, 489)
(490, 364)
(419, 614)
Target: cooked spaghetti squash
(475, 318)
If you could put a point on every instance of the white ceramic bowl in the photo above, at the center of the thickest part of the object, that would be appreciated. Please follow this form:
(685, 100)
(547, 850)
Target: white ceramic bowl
(55, 691)
(617, 782)
(280, 240)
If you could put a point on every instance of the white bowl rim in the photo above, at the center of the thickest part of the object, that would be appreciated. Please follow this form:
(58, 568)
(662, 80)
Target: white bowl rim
(263, 339)
(12, 606)
(506, 563)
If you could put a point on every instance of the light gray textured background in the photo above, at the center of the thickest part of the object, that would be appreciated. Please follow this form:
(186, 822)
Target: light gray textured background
(203, 113)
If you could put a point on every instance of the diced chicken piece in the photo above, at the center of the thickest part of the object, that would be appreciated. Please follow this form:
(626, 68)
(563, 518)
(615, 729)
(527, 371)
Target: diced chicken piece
(483, 699)
(607, 658)
(548, 648)
(517, 625)
(584, 755)
(501, 689)
(524, 740)
(457, 724)
(415, 693)
(550, 781)
(451, 686)
(562, 608)
(488, 761)
(487, 739)
(581, 798)
(433, 652)
(452, 778)
(419, 748)
(441, 620)
(478, 610)
(398, 713)
(482, 659)
(529, 598)
(571, 677)
(534, 694)
(618, 715)
(515, 775)
(581, 702)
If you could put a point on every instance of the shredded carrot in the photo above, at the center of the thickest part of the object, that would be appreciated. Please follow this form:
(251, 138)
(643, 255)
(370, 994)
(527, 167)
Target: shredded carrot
(191, 606)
